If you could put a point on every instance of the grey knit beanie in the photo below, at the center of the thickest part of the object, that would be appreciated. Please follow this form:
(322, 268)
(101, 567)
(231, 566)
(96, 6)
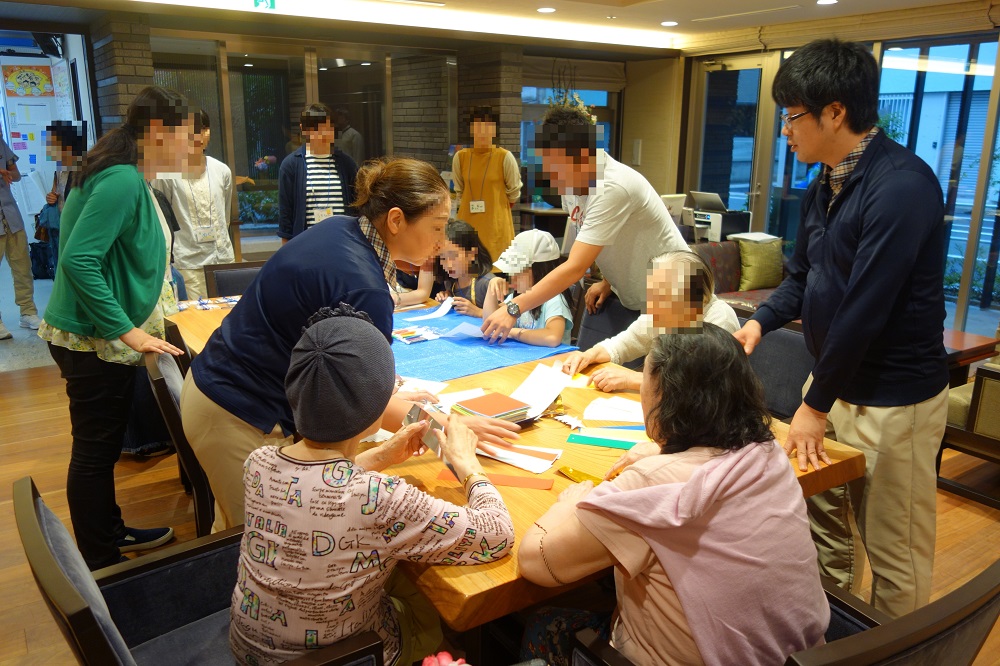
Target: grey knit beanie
(341, 375)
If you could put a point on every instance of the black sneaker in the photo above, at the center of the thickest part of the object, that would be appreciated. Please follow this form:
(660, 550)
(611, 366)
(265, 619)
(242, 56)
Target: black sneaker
(136, 539)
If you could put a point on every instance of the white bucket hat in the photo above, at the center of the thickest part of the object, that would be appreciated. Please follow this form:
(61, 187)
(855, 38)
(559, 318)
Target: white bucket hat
(527, 248)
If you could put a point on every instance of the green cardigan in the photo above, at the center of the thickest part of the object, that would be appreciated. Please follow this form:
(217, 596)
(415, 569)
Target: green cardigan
(112, 256)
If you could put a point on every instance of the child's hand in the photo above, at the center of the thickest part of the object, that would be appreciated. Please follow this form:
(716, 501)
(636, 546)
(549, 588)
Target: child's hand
(441, 297)
(498, 289)
(466, 307)
(51, 198)
(405, 443)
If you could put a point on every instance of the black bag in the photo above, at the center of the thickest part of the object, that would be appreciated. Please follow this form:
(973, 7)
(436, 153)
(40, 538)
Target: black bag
(41, 261)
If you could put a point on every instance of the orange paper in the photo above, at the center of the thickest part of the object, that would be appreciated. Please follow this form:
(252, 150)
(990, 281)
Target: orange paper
(508, 480)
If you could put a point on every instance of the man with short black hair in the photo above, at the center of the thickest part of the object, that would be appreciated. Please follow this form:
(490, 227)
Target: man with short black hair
(317, 180)
(620, 224)
(867, 280)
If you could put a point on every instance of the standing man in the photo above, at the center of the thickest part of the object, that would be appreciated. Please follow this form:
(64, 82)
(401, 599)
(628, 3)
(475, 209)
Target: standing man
(14, 244)
(620, 223)
(867, 280)
(317, 180)
(348, 139)
(202, 207)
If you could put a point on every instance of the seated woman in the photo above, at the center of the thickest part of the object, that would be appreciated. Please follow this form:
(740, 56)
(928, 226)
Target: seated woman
(709, 537)
(324, 526)
(680, 295)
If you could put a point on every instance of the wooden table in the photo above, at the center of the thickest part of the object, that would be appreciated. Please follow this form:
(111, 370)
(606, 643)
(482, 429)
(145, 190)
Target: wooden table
(963, 350)
(467, 597)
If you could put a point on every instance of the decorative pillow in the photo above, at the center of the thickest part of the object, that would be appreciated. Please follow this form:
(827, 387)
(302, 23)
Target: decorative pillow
(761, 264)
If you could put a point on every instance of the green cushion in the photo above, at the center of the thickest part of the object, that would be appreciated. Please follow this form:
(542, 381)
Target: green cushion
(761, 264)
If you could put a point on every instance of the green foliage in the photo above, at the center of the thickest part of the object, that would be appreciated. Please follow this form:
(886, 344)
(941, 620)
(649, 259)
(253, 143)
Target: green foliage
(953, 278)
(892, 124)
(258, 207)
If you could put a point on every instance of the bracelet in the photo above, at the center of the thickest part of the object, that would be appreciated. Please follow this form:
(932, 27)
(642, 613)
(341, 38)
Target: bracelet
(541, 550)
(465, 481)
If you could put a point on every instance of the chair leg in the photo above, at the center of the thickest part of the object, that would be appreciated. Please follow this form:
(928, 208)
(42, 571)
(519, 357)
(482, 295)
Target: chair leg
(937, 461)
(185, 481)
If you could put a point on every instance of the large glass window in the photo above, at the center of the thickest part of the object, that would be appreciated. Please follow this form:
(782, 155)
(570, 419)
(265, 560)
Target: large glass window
(191, 68)
(356, 86)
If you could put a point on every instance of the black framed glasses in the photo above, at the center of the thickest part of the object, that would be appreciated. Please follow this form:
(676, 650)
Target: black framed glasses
(786, 119)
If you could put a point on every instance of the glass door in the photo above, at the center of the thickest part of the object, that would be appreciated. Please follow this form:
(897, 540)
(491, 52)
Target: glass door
(734, 131)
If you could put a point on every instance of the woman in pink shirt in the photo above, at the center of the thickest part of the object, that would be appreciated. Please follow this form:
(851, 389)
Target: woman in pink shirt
(707, 531)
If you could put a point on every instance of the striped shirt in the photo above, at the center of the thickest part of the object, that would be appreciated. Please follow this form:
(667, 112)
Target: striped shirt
(324, 191)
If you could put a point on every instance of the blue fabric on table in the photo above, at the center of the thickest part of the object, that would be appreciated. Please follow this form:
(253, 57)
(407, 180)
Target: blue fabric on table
(449, 358)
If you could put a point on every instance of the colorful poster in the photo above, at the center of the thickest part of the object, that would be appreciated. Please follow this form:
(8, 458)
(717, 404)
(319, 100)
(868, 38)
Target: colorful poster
(28, 81)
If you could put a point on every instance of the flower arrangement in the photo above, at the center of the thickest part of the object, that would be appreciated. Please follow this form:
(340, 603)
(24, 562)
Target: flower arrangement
(263, 163)
(442, 659)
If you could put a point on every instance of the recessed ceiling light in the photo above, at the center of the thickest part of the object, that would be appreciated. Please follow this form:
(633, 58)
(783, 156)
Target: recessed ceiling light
(826, 2)
(546, 10)
(612, 17)
(365, 64)
(668, 24)
(248, 64)
(322, 69)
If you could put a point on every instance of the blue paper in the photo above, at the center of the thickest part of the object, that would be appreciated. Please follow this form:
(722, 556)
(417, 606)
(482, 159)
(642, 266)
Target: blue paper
(445, 359)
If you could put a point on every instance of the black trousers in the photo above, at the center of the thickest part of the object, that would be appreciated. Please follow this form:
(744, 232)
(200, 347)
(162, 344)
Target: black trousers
(610, 320)
(100, 401)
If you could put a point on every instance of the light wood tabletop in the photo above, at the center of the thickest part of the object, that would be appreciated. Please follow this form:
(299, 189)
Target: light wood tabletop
(467, 597)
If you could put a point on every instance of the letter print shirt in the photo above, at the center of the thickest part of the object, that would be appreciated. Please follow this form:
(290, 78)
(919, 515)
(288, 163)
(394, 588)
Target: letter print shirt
(320, 541)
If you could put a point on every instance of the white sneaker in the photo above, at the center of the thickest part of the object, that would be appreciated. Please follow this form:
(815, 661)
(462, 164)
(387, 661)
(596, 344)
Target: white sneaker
(4, 333)
(30, 321)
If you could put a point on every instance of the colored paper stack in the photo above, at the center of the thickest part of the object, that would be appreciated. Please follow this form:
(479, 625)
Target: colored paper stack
(493, 405)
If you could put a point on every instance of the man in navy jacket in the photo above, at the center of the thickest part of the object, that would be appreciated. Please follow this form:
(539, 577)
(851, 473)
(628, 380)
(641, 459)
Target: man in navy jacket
(867, 280)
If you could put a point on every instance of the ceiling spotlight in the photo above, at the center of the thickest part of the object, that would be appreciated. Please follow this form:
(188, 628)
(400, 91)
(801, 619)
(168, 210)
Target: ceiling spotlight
(546, 10)
(612, 17)
(322, 69)
(668, 24)
(248, 64)
(826, 2)
(365, 64)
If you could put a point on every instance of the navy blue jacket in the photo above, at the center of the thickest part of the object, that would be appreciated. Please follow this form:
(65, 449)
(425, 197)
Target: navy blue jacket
(243, 366)
(867, 281)
(292, 189)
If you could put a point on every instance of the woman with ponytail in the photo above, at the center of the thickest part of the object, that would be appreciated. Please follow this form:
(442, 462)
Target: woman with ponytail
(233, 400)
(107, 307)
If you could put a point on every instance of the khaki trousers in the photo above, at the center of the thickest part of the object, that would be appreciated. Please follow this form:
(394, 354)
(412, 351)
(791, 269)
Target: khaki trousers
(894, 505)
(222, 442)
(14, 246)
(194, 282)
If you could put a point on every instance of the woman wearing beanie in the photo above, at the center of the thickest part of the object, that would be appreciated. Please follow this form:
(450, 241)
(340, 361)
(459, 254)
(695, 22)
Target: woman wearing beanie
(107, 306)
(325, 527)
(234, 396)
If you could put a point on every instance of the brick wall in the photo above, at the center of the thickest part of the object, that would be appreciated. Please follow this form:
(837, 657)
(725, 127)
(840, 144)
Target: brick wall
(420, 109)
(491, 76)
(123, 62)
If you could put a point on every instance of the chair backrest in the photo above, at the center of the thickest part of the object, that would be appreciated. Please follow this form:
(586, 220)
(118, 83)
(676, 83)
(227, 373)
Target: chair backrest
(172, 334)
(950, 631)
(984, 412)
(783, 364)
(724, 260)
(166, 379)
(230, 279)
(65, 582)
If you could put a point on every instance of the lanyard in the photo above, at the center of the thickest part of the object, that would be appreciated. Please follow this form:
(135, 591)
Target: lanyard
(468, 172)
(211, 202)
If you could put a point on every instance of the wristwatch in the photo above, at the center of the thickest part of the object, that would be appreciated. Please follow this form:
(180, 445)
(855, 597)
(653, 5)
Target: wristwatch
(513, 309)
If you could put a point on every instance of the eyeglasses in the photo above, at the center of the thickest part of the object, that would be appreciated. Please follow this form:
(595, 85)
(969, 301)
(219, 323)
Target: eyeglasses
(786, 119)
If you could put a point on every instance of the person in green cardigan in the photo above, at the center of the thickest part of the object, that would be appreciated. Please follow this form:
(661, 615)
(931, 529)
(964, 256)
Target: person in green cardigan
(107, 307)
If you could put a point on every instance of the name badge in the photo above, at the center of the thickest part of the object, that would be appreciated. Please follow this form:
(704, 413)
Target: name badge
(477, 206)
(204, 234)
(320, 214)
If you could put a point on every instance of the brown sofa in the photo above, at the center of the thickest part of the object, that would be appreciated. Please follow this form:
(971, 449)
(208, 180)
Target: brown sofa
(724, 259)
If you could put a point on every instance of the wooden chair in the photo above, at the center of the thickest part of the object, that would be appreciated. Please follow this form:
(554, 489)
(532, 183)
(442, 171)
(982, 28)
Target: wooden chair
(951, 630)
(974, 429)
(166, 379)
(230, 279)
(169, 607)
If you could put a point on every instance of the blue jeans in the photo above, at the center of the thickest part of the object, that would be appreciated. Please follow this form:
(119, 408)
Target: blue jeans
(100, 401)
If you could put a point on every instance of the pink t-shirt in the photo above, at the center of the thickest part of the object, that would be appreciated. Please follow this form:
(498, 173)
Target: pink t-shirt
(321, 539)
(717, 556)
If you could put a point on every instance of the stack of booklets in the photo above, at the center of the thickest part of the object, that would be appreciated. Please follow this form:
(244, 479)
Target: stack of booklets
(493, 405)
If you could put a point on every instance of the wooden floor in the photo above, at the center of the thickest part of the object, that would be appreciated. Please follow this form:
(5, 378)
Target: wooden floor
(34, 439)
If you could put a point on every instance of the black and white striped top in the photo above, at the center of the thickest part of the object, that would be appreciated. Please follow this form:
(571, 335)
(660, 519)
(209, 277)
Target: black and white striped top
(323, 188)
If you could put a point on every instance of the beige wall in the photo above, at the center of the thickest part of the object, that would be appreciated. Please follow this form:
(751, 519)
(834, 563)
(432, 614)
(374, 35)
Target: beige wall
(653, 104)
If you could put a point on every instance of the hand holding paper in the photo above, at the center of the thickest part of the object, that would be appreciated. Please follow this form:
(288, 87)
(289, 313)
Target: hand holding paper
(441, 311)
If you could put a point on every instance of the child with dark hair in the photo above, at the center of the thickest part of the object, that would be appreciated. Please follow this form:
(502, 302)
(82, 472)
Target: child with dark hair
(465, 268)
(66, 145)
(325, 527)
(707, 529)
(533, 255)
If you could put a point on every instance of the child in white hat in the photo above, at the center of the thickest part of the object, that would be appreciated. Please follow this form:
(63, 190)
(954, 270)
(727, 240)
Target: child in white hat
(531, 256)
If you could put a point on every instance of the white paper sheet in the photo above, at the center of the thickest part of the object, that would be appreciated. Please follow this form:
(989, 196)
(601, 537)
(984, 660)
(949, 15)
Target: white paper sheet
(541, 388)
(614, 409)
(414, 384)
(522, 460)
(464, 330)
(441, 311)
